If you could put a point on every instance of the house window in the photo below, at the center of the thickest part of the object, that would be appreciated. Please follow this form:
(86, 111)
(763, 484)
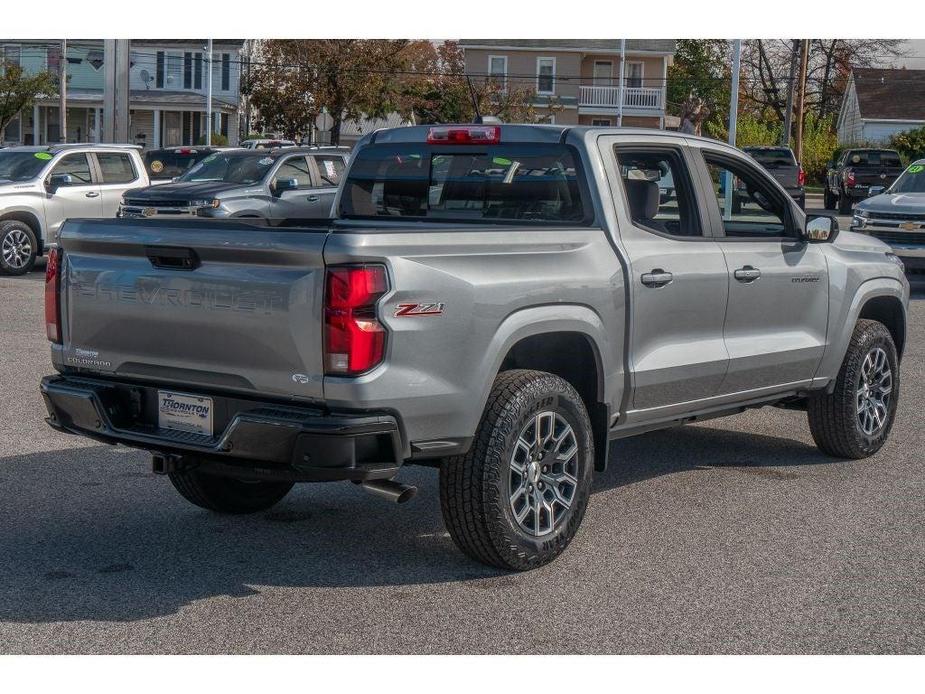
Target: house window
(545, 75)
(174, 71)
(226, 72)
(53, 59)
(187, 70)
(11, 54)
(600, 122)
(159, 72)
(634, 74)
(497, 69)
(603, 73)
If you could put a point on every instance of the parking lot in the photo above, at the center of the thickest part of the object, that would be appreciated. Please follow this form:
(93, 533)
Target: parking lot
(731, 536)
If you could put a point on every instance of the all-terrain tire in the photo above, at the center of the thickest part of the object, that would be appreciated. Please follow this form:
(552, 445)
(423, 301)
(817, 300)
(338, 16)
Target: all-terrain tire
(476, 488)
(18, 248)
(833, 417)
(226, 494)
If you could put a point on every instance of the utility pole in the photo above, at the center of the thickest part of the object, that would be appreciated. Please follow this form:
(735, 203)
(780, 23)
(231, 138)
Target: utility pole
(116, 56)
(804, 63)
(62, 93)
(788, 114)
(622, 78)
(208, 92)
(733, 119)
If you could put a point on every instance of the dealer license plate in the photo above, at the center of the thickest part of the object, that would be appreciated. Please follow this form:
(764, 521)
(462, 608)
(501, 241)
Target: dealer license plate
(184, 412)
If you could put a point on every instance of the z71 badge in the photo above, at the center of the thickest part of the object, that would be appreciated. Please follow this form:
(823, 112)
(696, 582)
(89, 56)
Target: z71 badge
(434, 309)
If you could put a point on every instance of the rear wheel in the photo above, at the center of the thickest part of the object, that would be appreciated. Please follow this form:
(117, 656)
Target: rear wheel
(844, 203)
(516, 499)
(18, 247)
(226, 494)
(854, 420)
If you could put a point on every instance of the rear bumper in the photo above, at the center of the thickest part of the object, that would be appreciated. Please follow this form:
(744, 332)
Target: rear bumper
(252, 438)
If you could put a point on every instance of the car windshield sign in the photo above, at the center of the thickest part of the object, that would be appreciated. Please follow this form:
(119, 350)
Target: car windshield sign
(229, 168)
(21, 166)
(912, 180)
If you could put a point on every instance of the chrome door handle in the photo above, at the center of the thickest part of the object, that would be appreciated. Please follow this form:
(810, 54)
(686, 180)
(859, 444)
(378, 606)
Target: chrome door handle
(656, 278)
(92, 194)
(747, 274)
(313, 198)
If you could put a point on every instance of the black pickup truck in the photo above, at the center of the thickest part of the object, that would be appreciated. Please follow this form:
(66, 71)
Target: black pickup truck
(855, 172)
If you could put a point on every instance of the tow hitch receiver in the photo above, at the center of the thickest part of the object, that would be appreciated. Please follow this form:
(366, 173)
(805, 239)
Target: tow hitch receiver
(165, 463)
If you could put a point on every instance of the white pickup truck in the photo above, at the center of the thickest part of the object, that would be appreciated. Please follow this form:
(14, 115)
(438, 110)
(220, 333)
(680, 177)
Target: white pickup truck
(42, 186)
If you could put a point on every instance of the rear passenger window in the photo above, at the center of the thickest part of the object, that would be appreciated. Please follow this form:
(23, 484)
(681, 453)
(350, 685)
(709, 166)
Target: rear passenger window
(116, 167)
(526, 183)
(330, 168)
(657, 192)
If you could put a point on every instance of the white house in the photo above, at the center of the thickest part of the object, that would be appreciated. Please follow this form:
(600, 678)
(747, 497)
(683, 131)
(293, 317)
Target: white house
(167, 98)
(879, 103)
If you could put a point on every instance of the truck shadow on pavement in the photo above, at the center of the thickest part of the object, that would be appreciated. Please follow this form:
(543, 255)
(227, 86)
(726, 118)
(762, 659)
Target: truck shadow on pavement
(90, 534)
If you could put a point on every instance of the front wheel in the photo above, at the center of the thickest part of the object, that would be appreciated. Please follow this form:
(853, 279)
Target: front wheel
(226, 494)
(18, 247)
(516, 499)
(854, 420)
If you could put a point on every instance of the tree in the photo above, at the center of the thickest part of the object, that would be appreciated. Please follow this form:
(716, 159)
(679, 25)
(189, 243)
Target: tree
(909, 143)
(699, 80)
(18, 91)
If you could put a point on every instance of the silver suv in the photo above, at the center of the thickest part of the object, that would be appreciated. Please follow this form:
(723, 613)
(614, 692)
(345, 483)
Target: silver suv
(290, 182)
(40, 187)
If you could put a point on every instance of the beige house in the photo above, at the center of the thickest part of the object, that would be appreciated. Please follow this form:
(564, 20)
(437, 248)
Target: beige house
(577, 81)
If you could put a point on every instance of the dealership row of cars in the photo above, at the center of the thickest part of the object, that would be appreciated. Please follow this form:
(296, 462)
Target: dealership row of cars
(40, 187)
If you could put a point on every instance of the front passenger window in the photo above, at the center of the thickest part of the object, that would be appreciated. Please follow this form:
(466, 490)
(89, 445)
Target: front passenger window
(748, 205)
(297, 168)
(77, 165)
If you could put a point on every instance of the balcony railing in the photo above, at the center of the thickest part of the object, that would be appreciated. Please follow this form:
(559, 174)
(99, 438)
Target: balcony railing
(609, 97)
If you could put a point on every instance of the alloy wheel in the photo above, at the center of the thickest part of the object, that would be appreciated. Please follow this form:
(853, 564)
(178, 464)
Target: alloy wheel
(16, 249)
(874, 389)
(543, 473)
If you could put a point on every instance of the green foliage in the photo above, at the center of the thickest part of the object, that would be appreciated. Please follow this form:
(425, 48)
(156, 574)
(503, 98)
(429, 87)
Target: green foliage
(218, 140)
(910, 144)
(701, 68)
(18, 90)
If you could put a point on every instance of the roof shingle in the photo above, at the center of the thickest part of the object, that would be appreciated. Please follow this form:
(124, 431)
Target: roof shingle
(890, 94)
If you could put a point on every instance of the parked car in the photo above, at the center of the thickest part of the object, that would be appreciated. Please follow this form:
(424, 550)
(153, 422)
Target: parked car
(40, 187)
(897, 217)
(270, 184)
(851, 177)
(267, 143)
(784, 167)
(168, 163)
(497, 302)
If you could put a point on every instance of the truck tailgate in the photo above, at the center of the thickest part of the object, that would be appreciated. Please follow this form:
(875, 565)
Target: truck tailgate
(198, 304)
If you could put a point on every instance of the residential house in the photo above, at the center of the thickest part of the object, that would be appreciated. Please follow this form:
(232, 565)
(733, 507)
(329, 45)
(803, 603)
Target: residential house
(167, 91)
(879, 103)
(577, 81)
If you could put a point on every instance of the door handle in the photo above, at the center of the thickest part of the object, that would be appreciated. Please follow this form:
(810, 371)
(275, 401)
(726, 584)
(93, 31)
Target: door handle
(313, 198)
(656, 278)
(747, 274)
(92, 194)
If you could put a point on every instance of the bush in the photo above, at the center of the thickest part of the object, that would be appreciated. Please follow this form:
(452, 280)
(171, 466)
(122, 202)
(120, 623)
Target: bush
(218, 140)
(910, 144)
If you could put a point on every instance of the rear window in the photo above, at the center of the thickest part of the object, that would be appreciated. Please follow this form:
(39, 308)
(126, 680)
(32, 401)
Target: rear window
(163, 164)
(873, 158)
(518, 182)
(773, 158)
(116, 167)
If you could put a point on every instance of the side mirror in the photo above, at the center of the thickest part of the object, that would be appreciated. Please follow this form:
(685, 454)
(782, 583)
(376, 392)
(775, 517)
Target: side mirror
(56, 181)
(284, 184)
(875, 190)
(820, 228)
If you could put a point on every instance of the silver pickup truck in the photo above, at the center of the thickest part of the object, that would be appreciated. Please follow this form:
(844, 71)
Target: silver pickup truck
(496, 302)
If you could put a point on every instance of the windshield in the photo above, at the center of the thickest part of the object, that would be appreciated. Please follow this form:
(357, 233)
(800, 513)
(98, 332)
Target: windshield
(523, 182)
(230, 167)
(773, 158)
(911, 181)
(22, 166)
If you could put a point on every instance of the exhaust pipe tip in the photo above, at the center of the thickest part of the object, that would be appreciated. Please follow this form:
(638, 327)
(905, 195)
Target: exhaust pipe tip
(390, 490)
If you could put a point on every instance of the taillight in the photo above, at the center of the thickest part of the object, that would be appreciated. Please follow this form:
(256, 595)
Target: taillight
(354, 339)
(801, 177)
(464, 135)
(53, 296)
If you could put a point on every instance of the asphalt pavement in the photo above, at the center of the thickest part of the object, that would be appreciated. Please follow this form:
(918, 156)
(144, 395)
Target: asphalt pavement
(735, 536)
